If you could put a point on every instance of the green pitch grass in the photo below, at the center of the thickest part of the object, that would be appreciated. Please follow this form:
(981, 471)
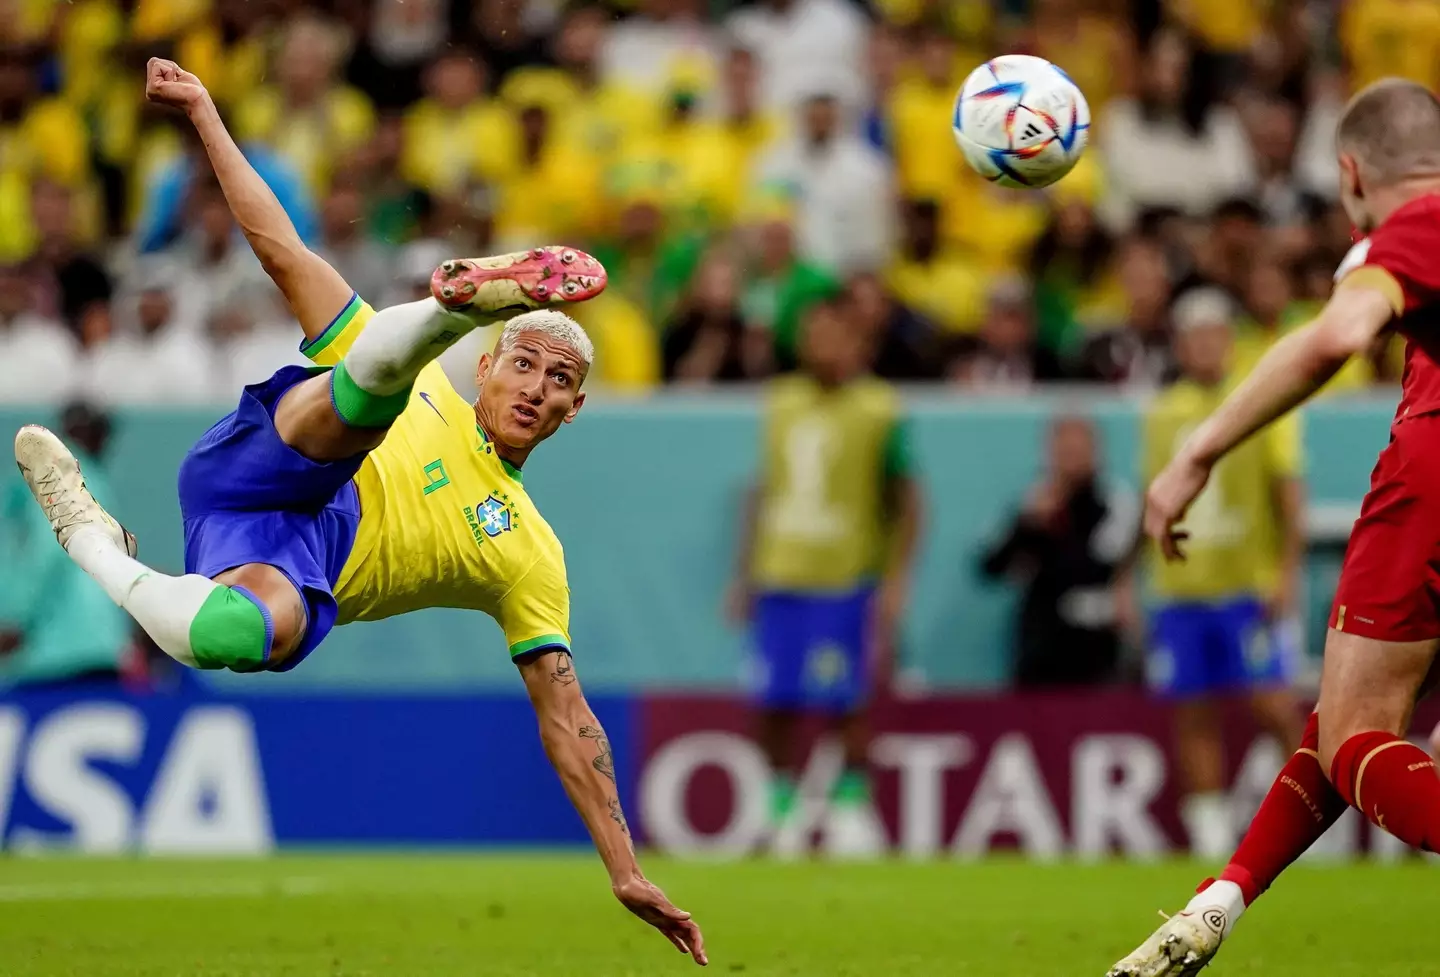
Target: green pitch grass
(518, 916)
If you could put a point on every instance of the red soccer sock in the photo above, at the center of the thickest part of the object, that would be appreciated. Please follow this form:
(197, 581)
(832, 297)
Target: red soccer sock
(1300, 807)
(1392, 782)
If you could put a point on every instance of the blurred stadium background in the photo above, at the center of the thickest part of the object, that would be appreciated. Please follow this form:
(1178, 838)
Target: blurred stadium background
(734, 165)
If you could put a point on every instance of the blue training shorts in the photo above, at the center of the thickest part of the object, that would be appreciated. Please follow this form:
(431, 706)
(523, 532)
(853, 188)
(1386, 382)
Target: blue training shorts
(812, 650)
(248, 497)
(1203, 649)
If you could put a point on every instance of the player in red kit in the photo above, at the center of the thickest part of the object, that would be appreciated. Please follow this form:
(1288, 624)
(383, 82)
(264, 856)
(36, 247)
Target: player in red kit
(1385, 622)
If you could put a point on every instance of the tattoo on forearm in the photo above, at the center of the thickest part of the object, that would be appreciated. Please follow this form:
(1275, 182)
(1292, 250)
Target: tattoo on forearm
(618, 816)
(564, 673)
(605, 763)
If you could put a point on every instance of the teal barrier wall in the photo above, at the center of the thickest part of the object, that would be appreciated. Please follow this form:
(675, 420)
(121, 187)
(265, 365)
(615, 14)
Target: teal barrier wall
(644, 494)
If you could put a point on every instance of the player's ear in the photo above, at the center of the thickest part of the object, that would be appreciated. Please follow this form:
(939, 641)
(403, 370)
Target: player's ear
(482, 369)
(1350, 176)
(575, 407)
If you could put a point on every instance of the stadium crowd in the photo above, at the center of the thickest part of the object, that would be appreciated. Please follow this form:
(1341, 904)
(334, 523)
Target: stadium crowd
(731, 166)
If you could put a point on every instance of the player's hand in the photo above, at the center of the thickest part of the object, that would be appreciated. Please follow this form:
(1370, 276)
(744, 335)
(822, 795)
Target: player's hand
(739, 603)
(1169, 496)
(169, 84)
(1044, 502)
(890, 601)
(645, 900)
(1129, 618)
(1283, 603)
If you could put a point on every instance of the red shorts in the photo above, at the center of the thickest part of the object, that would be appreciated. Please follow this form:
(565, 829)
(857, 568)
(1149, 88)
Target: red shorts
(1390, 585)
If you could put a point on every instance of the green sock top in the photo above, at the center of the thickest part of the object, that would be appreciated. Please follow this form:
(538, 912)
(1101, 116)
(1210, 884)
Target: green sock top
(358, 407)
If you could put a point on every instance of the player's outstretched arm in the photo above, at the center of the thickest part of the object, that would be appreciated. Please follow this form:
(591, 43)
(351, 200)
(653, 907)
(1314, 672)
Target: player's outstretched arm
(315, 291)
(580, 751)
(1289, 373)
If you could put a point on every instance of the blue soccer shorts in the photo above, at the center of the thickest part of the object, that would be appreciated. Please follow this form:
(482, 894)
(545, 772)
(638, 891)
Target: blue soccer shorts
(248, 497)
(812, 651)
(1229, 646)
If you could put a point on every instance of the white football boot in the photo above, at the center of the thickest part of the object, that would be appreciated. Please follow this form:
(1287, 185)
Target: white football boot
(1183, 945)
(53, 475)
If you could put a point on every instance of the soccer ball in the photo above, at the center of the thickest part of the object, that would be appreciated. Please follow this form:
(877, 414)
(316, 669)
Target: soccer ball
(1021, 121)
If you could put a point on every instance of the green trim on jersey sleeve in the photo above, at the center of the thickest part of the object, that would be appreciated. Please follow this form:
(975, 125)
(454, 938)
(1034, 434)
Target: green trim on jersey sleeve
(543, 641)
(899, 455)
(313, 348)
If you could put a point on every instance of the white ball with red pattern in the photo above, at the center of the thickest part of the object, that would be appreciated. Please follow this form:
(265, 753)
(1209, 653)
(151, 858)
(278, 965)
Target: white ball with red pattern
(1020, 121)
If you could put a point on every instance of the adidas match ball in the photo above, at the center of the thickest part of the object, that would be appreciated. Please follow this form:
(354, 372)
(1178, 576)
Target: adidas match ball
(1021, 121)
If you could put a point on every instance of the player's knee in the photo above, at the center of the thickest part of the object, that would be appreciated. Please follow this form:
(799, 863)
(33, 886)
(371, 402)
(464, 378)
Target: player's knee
(1435, 741)
(256, 621)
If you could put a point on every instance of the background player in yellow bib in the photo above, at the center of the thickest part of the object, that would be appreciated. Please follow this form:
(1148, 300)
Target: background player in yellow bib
(1224, 621)
(825, 560)
(365, 486)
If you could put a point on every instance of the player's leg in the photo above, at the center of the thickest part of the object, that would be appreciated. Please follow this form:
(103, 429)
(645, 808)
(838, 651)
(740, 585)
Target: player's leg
(347, 411)
(1200, 759)
(1184, 670)
(779, 647)
(1367, 696)
(1267, 661)
(195, 620)
(845, 631)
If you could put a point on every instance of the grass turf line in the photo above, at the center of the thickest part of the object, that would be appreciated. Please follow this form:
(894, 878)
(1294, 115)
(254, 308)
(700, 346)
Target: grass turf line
(552, 916)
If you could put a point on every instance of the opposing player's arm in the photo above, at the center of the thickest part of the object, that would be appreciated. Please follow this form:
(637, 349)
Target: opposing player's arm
(578, 748)
(315, 291)
(1290, 372)
(1295, 368)
(740, 600)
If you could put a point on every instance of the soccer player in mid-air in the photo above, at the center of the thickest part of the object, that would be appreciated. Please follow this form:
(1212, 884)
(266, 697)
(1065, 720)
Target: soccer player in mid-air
(1385, 622)
(365, 486)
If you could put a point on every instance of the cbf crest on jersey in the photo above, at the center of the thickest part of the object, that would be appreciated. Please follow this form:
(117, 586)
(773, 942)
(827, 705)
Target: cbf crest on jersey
(491, 518)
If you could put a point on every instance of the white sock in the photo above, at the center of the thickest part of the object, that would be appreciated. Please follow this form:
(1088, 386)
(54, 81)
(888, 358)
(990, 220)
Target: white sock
(163, 605)
(1225, 896)
(1207, 821)
(398, 343)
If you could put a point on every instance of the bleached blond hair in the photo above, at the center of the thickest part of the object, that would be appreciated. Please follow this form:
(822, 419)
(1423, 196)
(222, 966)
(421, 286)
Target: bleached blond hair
(553, 324)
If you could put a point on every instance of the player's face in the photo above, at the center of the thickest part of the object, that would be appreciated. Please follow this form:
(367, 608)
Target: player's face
(528, 389)
(1203, 351)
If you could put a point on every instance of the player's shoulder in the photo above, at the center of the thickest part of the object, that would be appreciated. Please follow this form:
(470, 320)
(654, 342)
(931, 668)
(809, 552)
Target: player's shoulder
(1177, 399)
(1413, 226)
(873, 393)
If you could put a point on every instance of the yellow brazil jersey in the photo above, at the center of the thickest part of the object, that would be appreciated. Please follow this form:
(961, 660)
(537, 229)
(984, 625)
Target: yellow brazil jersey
(444, 521)
(1392, 37)
(821, 524)
(1234, 526)
(1251, 342)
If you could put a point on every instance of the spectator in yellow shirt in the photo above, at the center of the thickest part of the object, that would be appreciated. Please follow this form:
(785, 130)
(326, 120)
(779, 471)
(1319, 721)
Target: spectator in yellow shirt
(920, 110)
(1391, 37)
(1271, 311)
(38, 136)
(454, 135)
(602, 113)
(1226, 27)
(935, 281)
(749, 125)
(1092, 49)
(553, 192)
(698, 165)
(308, 117)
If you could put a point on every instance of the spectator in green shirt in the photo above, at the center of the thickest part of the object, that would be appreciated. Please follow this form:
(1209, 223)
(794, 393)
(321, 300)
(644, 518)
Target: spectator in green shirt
(648, 262)
(779, 287)
(56, 624)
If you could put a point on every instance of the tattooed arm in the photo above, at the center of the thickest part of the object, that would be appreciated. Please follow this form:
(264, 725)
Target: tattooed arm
(580, 751)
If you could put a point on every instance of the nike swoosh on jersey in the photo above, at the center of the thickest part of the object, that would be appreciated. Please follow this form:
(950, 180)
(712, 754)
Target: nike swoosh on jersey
(426, 397)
